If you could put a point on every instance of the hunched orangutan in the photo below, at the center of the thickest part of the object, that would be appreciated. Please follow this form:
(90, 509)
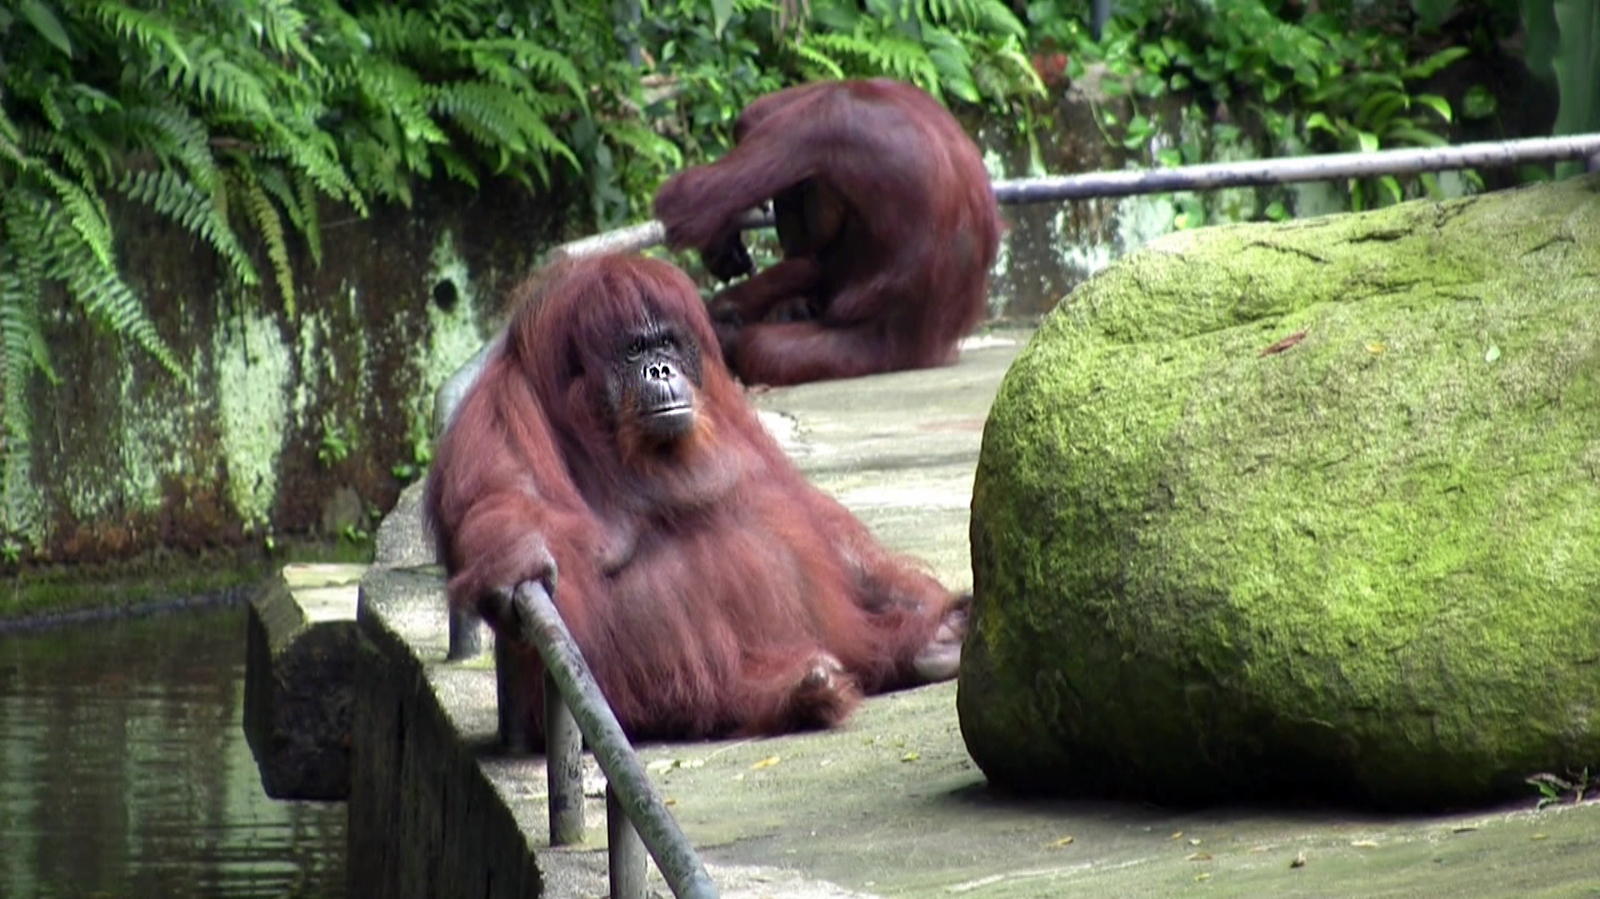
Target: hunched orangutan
(887, 222)
(607, 452)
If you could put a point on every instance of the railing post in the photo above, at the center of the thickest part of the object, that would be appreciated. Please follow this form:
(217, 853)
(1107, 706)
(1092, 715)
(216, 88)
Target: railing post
(532, 617)
(625, 854)
(466, 635)
(563, 755)
(511, 697)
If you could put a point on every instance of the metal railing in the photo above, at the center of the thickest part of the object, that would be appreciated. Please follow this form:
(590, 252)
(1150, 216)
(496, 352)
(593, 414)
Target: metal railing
(575, 711)
(1204, 176)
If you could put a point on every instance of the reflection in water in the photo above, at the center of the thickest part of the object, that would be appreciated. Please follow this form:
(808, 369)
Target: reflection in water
(124, 772)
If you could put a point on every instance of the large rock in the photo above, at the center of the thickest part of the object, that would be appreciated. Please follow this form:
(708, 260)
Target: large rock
(1365, 565)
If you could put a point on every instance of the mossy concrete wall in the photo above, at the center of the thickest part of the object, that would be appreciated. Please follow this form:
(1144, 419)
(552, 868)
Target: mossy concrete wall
(290, 425)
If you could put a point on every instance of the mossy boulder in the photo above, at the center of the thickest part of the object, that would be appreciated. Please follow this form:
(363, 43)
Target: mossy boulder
(1307, 508)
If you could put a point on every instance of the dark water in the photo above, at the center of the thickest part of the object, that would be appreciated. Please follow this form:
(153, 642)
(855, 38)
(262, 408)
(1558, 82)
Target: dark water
(124, 772)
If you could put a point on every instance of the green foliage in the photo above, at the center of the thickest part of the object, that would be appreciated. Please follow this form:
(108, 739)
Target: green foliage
(1318, 76)
(1564, 44)
(335, 444)
(968, 51)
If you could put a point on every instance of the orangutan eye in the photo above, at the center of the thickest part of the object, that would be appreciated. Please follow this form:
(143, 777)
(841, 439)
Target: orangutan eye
(636, 348)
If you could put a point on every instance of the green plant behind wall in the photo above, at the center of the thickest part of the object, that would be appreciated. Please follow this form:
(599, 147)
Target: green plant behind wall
(1327, 77)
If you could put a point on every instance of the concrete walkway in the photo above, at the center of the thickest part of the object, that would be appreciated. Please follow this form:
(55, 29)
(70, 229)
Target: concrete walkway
(890, 804)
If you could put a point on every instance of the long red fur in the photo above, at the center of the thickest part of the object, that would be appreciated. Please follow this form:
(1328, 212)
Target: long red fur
(909, 279)
(700, 583)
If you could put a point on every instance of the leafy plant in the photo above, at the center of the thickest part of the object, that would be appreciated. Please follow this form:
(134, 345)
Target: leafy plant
(335, 445)
(1315, 76)
(1554, 788)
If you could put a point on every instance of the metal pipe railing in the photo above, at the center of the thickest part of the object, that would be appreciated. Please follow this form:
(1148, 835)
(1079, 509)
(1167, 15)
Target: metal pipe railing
(1203, 176)
(636, 813)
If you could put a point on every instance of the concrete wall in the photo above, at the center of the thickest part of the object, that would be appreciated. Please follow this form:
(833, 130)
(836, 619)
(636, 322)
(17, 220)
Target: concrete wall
(126, 459)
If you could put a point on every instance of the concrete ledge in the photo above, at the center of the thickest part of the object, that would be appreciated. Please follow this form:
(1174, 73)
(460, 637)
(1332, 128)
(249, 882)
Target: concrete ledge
(300, 655)
(889, 804)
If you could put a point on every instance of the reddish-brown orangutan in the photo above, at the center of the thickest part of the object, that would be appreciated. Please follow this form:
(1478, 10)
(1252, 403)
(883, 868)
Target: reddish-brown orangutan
(607, 453)
(887, 222)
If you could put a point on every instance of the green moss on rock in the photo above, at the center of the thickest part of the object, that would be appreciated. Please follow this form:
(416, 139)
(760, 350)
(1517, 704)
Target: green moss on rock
(1367, 565)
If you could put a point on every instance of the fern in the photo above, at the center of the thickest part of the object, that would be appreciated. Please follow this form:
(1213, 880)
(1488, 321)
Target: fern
(85, 212)
(276, 183)
(176, 137)
(280, 24)
(267, 221)
(102, 293)
(540, 62)
(501, 120)
(217, 79)
(150, 32)
(889, 53)
(201, 214)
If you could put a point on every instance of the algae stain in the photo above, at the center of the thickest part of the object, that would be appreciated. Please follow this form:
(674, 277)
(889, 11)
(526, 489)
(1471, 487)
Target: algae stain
(453, 335)
(253, 377)
(152, 424)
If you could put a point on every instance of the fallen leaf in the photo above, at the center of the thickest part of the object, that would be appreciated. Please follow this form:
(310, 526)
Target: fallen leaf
(1205, 875)
(1493, 354)
(767, 762)
(660, 765)
(910, 756)
(1284, 344)
(1299, 860)
(1194, 841)
(1540, 836)
(1064, 841)
(1198, 857)
(1176, 836)
(669, 801)
(1376, 349)
(1365, 844)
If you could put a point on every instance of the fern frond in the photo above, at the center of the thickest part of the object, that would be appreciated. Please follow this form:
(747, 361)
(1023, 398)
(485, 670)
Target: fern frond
(501, 120)
(644, 142)
(201, 214)
(86, 213)
(174, 135)
(11, 140)
(275, 181)
(264, 215)
(100, 290)
(399, 31)
(544, 63)
(279, 24)
(150, 31)
(816, 63)
(315, 155)
(61, 148)
(457, 166)
(218, 80)
(305, 192)
(887, 53)
(389, 86)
